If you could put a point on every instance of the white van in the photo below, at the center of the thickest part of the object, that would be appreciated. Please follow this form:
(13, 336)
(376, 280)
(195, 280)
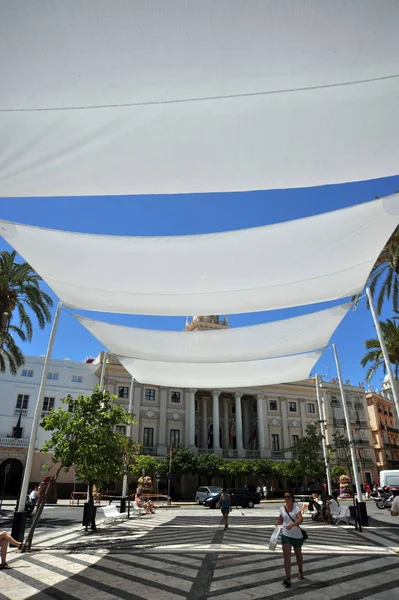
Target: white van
(389, 478)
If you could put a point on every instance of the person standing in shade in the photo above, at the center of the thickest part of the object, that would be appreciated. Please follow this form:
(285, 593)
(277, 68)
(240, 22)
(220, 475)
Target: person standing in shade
(265, 491)
(291, 518)
(225, 505)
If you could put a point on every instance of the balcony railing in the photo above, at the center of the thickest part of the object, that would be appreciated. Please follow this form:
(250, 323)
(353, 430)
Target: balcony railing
(230, 454)
(151, 450)
(392, 429)
(14, 442)
(21, 411)
(205, 451)
(277, 454)
(252, 453)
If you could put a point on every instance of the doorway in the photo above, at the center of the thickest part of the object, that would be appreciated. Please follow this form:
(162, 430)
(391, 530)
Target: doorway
(14, 477)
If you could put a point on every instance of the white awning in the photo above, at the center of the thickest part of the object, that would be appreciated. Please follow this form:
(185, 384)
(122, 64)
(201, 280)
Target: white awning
(218, 375)
(298, 262)
(278, 338)
(171, 96)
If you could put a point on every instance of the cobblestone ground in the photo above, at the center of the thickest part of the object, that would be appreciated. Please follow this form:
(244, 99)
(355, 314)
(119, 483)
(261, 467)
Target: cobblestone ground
(185, 554)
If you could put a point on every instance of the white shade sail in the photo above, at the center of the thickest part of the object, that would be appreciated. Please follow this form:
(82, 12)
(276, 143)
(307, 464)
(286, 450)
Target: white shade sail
(278, 338)
(329, 256)
(214, 375)
(173, 96)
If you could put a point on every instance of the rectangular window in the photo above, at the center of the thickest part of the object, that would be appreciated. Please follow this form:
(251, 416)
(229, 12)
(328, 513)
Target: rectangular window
(22, 401)
(196, 405)
(275, 442)
(123, 392)
(121, 429)
(255, 407)
(148, 437)
(311, 408)
(233, 409)
(53, 376)
(175, 438)
(295, 439)
(175, 397)
(48, 403)
(292, 406)
(17, 432)
(77, 379)
(27, 373)
(149, 394)
(273, 405)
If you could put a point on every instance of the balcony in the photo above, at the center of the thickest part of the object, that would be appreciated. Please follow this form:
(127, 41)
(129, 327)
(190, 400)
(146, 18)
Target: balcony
(205, 451)
(361, 423)
(150, 450)
(252, 453)
(21, 411)
(392, 429)
(278, 454)
(339, 422)
(229, 453)
(10, 442)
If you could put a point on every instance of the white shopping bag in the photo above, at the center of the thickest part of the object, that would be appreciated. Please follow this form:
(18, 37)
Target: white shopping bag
(274, 537)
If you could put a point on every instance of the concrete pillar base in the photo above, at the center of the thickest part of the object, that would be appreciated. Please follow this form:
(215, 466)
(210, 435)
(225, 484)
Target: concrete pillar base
(193, 449)
(162, 450)
(218, 451)
(241, 452)
(265, 453)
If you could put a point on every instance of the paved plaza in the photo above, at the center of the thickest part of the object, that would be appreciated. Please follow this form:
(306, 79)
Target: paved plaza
(185, 554)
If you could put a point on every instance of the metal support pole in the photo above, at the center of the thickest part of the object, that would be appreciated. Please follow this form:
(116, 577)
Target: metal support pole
(384, 352)
(348, 428)
(129, 431)
(38, 411)
(323, 437)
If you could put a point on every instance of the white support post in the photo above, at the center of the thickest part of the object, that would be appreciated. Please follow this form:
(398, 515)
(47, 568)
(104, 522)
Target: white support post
(129, 431)
(38, 411)
(323, 437)
(384, 352)
(348, 428)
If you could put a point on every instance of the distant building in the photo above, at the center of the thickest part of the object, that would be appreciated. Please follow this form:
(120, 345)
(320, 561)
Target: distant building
(385, 432)
(18, 395)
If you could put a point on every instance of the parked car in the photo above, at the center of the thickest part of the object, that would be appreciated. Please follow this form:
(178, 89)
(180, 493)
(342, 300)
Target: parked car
(244, 497)
(205, 492)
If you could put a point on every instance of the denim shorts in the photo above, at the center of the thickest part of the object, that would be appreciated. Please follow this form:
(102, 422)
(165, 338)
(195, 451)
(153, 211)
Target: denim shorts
(294, 542)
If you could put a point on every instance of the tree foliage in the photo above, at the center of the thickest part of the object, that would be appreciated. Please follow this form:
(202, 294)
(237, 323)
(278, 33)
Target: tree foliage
(20, 296)
(308, 461)
(374, 357)
(83, 435)
(146, 462)
(384, 277)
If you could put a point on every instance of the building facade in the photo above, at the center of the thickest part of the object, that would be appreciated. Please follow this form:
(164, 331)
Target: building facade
(385, 431)
(334, 419)
(18, 395)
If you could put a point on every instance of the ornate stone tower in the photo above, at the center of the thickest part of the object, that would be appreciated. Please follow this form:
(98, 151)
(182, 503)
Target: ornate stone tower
(209, 322)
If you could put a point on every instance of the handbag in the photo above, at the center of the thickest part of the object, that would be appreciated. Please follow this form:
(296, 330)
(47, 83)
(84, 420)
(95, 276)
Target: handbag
(274, 538)
(304, 534)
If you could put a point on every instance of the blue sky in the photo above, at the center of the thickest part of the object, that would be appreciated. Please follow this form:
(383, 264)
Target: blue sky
(198, 213)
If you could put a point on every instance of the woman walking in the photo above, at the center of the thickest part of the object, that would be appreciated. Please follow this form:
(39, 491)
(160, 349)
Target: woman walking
(291, 518)
(225, 505)
(6, 539)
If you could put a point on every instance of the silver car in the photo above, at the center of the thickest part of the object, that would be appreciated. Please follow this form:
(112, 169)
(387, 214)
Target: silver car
(205, 492)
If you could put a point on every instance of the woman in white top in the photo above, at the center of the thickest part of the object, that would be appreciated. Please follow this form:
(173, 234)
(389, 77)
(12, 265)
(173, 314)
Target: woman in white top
(291, 518)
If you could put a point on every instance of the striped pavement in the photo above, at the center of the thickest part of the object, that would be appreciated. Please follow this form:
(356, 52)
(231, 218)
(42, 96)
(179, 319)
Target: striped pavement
(185, 554)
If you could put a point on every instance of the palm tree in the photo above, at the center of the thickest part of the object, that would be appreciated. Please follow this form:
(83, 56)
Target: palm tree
(20, 294)
(374, 357)
(385, 272)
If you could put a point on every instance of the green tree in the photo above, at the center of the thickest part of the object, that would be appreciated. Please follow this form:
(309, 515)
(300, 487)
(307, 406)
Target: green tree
(183, 461)
(384, 276)
(340, 449)
(20, 295)
(210, 465)
(307, 452)
(374, 357)
(83, 435)
(150, 464)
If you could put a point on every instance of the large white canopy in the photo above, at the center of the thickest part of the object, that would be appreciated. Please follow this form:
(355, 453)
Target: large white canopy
(278, 338)
(173, 96)
(298, 262)
(214, 375)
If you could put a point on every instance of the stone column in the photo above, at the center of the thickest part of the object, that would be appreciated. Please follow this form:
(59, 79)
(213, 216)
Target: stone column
(216, 444)
(260, 400)
(163, 405)
(136, 410)
(240, 447)
(191, 417)
(246, 422)
(226, 424)
(204, 441)
(284, 423)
